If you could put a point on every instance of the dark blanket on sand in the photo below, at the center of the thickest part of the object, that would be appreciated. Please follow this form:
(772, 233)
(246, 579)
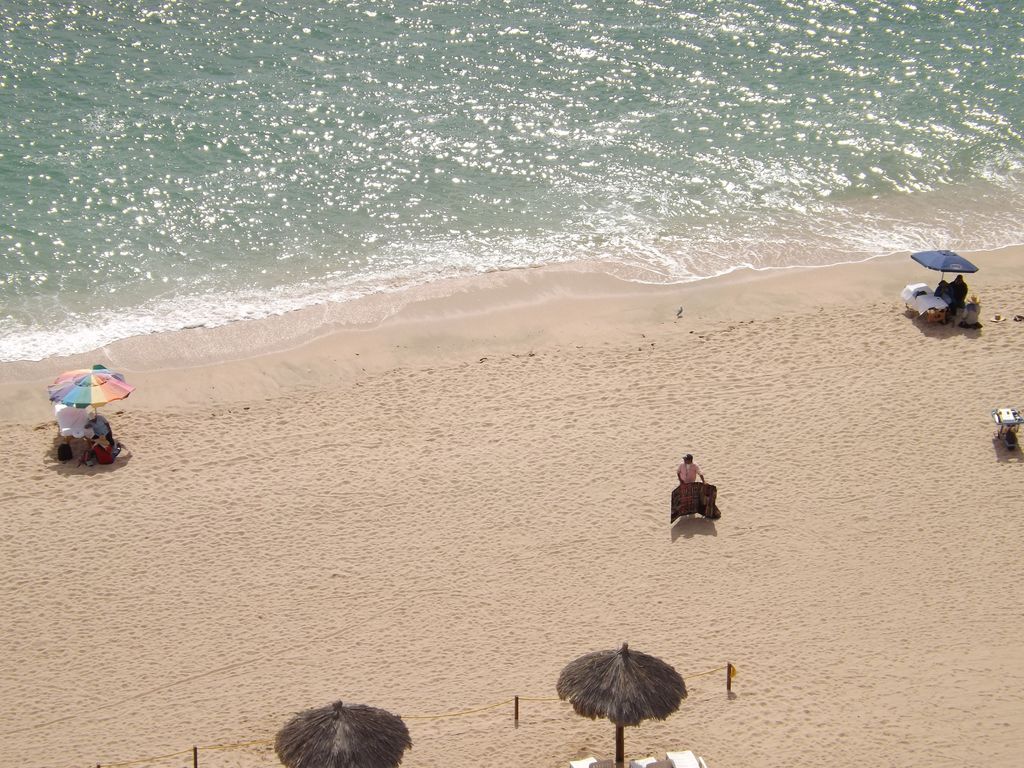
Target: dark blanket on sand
(695, 499)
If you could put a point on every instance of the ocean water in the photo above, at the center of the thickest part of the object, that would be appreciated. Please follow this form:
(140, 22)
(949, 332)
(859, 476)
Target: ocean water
(174, 164)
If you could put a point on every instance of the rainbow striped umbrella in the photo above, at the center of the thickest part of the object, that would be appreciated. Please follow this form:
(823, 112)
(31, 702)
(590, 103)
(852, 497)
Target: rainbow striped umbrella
(91, 388)
(80, 372)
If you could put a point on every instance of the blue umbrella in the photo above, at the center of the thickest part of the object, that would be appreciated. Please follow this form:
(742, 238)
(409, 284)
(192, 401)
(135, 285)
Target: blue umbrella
(943, 261)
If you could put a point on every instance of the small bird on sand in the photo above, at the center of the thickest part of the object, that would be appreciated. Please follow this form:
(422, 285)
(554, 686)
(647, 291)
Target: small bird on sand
(679, 312)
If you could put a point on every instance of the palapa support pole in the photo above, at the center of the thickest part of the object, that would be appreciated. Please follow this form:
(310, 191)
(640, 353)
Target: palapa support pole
(728, 676)
(517, 711)
(195, 756)
(620, 746)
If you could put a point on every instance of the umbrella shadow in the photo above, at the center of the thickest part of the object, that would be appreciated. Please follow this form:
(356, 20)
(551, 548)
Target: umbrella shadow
(689, 526)
(72, 465)
(944, 331)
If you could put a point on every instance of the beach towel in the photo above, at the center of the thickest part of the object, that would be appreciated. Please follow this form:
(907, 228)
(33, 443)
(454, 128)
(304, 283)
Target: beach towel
(694, 499)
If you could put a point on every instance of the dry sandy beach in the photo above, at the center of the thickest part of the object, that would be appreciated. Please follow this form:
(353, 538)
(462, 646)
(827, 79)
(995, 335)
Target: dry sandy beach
(434, 512)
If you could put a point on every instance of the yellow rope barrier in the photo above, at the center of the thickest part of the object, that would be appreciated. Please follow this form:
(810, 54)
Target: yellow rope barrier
(239, 744)
(709, 672)
(145, 759)
(537, 698)
(457, 714)
(463, 713)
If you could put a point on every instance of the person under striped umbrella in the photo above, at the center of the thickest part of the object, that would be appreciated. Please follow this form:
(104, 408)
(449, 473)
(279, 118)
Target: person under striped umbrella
(88, 388)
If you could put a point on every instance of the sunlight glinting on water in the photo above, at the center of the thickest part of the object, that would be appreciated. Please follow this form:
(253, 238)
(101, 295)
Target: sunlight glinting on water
(173, 164)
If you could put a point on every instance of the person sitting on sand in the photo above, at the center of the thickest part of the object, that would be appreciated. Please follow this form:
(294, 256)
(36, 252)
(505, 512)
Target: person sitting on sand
(942, 291)
(100, 428)
(100, 452)
(102, 449)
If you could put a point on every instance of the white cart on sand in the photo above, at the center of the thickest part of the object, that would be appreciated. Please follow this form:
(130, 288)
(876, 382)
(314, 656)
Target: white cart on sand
(1008, 421)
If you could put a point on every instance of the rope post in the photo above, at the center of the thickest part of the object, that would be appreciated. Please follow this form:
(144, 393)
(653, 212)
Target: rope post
(517, 712)
(728, 676)
(195, 756)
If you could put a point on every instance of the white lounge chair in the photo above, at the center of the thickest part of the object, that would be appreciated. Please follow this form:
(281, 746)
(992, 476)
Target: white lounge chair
(913, 290)
(649, 762)
(591, 762)
(71, 421)
(1008, 421)
(685, 759)
(920, 298)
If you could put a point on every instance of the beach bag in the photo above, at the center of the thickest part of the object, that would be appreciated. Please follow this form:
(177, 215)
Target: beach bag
(64, 452)
(103, 454)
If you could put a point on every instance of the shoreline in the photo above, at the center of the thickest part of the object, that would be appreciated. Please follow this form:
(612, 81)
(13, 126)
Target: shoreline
(279, 331)
(159, 317)
(459, 318)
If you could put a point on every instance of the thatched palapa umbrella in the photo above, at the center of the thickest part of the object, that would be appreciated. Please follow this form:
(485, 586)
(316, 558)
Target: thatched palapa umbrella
(343, 736)
(625, 686)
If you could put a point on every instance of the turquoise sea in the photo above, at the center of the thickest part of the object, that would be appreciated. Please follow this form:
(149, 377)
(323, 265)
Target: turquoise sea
(171, 164)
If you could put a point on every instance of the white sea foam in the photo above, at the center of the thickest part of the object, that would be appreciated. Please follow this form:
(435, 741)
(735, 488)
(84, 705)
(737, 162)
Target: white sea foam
(634, 249)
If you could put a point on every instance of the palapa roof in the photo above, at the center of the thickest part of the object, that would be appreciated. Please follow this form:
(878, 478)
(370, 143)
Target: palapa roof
(343, 736)
(624, 686)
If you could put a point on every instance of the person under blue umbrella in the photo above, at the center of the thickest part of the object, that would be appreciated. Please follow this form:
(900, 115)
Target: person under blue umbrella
(958, 293)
